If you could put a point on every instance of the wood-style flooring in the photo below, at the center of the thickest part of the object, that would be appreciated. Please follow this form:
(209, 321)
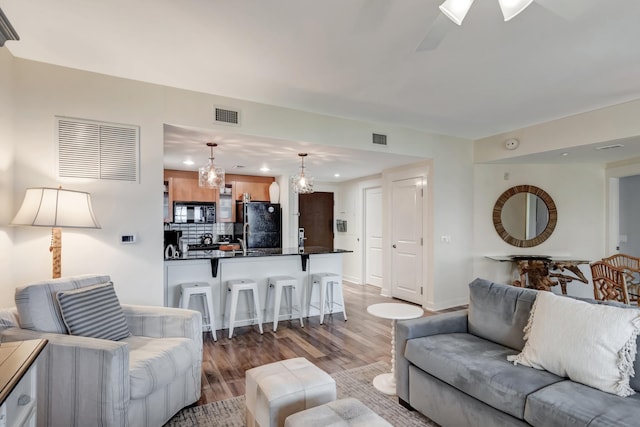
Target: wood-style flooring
(334, 346)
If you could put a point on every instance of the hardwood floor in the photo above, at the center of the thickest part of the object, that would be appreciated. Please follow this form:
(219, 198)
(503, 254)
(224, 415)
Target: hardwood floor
(334, 346)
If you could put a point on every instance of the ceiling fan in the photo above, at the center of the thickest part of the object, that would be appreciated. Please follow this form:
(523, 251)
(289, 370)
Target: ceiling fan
(374, 11)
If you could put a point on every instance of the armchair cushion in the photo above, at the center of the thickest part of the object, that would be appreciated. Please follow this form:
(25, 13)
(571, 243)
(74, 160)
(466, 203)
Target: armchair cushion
(156, 362)
(93, 311)
(37, 307)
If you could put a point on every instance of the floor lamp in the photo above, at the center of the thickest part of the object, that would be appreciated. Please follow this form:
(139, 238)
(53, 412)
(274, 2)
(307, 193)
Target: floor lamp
(56, 208)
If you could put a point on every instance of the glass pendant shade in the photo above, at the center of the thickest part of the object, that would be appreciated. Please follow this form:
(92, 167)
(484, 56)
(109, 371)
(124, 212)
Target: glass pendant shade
(456, 10)
(210, 176)
(300, 183)
(511, 8)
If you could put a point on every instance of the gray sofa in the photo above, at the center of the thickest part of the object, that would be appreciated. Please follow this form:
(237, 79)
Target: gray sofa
(453, 368)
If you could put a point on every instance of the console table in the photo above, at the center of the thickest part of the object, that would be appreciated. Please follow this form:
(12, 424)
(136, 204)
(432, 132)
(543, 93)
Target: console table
(18, 382)
(538, 271)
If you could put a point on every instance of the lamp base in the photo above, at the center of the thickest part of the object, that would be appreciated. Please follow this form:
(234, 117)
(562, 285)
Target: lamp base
(56, 251)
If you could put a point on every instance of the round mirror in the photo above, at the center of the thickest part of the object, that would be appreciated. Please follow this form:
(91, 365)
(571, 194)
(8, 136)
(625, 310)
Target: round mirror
(525, 216)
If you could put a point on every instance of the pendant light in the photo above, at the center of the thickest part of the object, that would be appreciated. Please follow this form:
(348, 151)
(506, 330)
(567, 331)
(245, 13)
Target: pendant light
(209, 176)
(300, 183)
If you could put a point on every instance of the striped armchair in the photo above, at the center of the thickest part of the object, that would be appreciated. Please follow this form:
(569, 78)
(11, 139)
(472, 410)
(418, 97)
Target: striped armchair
(141, 380)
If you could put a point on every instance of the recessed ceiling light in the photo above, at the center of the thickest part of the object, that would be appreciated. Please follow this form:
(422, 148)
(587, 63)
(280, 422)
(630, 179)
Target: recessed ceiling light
(565, 154)
(188, 162)
(337, 175)
(264, 169)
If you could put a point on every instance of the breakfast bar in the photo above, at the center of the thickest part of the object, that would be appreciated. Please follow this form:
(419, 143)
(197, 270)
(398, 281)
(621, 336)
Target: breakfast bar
(216, 268)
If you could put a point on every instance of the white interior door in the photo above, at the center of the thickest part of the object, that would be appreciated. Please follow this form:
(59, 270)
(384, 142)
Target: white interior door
(373, 236)
(407, 239)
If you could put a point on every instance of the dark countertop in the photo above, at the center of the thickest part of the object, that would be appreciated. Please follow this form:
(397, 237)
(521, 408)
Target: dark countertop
(258, 252)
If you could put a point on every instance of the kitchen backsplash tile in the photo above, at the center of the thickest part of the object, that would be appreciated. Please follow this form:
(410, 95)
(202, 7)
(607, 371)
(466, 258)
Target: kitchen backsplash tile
(193, 232)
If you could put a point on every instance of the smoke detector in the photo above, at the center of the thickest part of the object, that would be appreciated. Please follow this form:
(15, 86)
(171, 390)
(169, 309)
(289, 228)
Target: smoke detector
(511, 144)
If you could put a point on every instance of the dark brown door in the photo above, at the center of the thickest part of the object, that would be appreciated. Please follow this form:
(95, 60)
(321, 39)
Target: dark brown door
(316, 217)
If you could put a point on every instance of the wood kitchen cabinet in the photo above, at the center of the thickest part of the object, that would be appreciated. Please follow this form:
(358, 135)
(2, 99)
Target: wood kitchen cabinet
(183, 186)
(256, 186)
(188, 190)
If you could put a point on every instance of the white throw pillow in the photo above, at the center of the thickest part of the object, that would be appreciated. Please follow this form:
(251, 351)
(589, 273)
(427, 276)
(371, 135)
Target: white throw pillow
(590, 343)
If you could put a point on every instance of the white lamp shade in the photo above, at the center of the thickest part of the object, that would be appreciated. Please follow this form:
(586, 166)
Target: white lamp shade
(510, 8)
(55, 207)
(456, 10)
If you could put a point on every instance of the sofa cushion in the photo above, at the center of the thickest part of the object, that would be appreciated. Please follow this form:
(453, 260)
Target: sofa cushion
(93, 311)
(634, 382)
(498, 312)
(38, 308)
(595, 345)
(156, 362)
(568, 403)
(478, 368)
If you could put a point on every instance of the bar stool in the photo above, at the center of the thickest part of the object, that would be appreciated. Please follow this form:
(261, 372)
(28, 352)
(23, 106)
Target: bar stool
(326, 283)
(202, 289)
(280, 285)
(249, 287)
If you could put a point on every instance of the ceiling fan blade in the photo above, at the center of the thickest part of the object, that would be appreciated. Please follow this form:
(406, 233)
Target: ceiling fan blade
(372, 14)
(438, 30)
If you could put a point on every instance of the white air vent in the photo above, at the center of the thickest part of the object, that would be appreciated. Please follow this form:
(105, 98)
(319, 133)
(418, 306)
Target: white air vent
(609, 147)
(379, 139)
(229, 117)
(89, 149)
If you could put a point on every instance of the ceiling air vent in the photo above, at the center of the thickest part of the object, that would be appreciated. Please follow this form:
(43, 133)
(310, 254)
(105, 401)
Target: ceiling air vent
(379, 139)
(225, 116)
(96, 150)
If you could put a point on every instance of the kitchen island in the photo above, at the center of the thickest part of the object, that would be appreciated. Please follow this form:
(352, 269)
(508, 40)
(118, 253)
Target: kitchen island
(217, 267)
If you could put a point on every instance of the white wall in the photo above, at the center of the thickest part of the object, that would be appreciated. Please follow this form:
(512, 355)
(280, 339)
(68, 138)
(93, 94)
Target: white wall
(579, 194)
(629, 214)
(6, 177)
(349, 207)
(42, 91)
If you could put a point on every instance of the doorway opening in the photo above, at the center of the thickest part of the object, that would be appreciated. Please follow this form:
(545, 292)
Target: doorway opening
(316, 217)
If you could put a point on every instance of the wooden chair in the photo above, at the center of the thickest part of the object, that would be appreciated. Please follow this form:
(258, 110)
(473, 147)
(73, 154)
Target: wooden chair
(609, 282)
(631, 267)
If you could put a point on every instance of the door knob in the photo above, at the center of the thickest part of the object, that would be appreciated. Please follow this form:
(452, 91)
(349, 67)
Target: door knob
(394, 246)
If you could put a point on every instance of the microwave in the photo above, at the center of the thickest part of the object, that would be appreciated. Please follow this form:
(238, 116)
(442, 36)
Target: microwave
(194, 212)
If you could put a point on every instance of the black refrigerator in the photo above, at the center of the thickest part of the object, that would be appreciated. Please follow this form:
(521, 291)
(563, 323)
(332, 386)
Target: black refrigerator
(264, 224)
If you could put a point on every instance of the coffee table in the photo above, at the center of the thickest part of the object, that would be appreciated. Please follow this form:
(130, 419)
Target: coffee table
(386, 383)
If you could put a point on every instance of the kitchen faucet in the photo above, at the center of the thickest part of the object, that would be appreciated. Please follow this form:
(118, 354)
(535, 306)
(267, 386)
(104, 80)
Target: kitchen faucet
(243, 241)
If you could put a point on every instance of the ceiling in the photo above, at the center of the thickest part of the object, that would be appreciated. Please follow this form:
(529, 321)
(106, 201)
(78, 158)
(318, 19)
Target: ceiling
(246, 155)
(360, 59)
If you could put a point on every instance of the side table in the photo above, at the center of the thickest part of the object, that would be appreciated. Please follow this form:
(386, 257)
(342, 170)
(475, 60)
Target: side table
(386, 383)
(18, 382)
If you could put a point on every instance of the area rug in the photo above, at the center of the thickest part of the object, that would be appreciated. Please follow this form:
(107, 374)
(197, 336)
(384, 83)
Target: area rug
(356, 382)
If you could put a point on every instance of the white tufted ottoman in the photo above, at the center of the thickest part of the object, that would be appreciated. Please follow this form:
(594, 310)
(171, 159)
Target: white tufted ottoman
(340, 413)
(277, 390)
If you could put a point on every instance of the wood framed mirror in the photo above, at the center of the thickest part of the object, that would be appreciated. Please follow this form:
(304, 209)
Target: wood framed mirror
(525, 216)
